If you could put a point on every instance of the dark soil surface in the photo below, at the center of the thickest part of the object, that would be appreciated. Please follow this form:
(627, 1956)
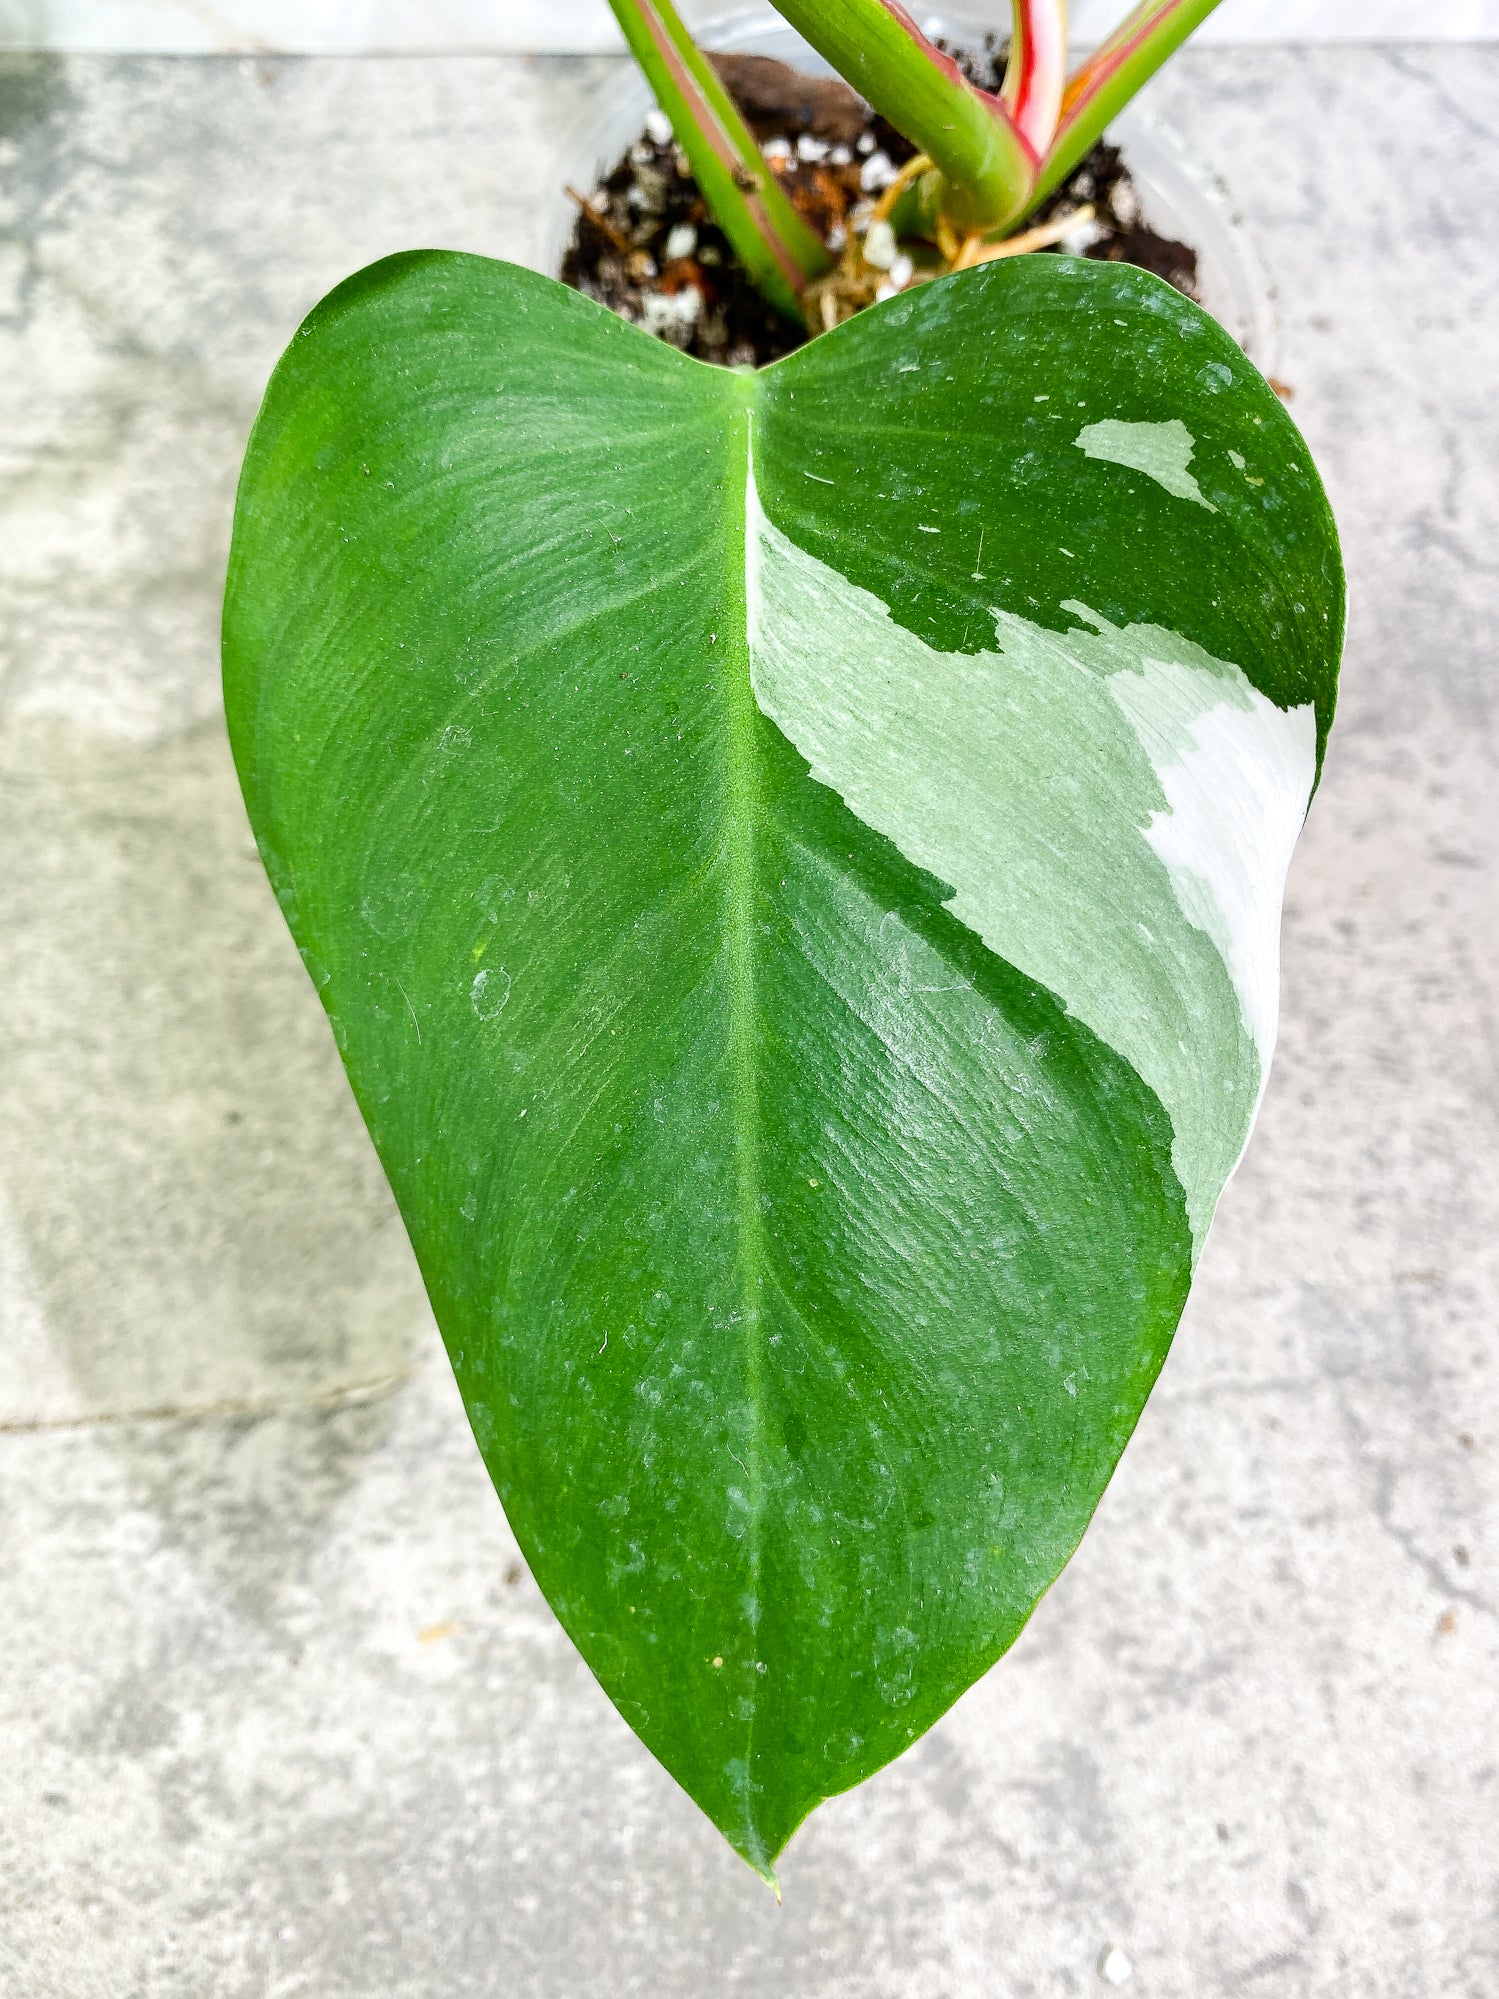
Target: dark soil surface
(646, 247)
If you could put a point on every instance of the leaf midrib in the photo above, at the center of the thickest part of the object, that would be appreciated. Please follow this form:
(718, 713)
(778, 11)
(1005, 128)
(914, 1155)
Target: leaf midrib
(741, 817)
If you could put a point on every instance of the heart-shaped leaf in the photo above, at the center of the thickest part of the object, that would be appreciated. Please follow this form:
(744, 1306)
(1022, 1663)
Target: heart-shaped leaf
(793, 862)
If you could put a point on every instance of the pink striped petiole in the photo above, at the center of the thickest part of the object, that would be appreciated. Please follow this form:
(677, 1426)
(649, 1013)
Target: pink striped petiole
(778, 249)
(985, 161)
(1101, 87)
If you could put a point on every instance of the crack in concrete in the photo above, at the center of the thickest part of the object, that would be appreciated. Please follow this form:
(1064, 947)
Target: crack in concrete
(1443, 95)
(1384, 1470)
(206, 1412)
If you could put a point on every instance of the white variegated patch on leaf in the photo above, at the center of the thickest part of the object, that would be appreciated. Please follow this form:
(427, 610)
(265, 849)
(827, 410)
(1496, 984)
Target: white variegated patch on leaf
(1144, 889)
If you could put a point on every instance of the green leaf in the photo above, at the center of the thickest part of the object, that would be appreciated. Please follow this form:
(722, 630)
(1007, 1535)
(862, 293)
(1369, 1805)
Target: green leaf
(793, 864)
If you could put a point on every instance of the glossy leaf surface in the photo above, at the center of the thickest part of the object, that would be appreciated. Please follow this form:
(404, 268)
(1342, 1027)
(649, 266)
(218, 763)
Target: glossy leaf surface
(793, 863)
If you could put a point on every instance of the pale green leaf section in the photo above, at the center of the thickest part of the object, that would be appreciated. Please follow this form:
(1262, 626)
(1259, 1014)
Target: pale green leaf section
(1162, 451)
(1112, 808)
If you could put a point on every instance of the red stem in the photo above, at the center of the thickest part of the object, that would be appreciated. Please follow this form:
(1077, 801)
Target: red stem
(1037, 70)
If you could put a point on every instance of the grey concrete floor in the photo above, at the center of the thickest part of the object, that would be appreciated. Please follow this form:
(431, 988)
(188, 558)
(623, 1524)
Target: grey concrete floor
(280, 1711)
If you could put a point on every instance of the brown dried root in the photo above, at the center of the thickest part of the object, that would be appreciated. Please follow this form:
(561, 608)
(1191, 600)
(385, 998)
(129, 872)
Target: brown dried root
(847, 289)
(913, 169)
(977, 251)
(854, 281)
(600, 222)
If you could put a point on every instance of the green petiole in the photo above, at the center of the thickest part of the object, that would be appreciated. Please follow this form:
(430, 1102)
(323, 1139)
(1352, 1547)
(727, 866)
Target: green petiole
(1111, 76)
(778, 249)
(993, 159)
(986, 165)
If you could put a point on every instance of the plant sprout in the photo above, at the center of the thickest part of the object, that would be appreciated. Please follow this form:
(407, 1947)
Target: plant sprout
(984, 161)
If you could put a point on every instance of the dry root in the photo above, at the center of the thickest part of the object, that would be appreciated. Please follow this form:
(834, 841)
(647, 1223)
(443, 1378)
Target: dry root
(855, 282)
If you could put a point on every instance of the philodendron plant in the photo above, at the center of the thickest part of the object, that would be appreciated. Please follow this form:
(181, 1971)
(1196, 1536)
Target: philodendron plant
(793, 862)
(984, 161)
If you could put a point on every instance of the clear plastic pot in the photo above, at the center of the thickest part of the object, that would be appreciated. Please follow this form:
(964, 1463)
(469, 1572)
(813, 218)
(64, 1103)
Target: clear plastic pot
(1181, 198)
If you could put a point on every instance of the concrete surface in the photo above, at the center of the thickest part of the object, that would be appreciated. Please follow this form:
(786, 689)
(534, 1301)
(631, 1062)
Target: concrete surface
(430, 27)
(280, 1712)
